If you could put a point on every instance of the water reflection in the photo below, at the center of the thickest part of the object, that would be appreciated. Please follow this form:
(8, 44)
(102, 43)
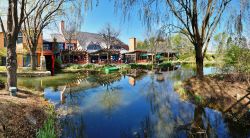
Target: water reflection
(146, 105)
(141, 107)
(132, 81)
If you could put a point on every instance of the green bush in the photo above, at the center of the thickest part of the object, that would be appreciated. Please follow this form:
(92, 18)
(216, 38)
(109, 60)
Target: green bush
(209, 57)
(2, 84)
(237, 59)
(58, 66)
(89, 66)
(165, 65)
(74, 66)
(140, 66)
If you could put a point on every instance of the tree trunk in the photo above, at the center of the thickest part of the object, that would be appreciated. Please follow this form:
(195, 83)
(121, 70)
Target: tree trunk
(11, 64)
(152, 68)
(33, 60)
(199, 61)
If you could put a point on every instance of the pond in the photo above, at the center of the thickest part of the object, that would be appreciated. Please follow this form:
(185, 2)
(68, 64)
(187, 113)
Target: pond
(112, 106)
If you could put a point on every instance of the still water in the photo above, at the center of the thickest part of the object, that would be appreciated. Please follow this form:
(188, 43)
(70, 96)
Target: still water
(136, 107)
(114, 106)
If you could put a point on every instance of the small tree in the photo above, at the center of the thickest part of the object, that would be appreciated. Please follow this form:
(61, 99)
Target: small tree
(43, 15)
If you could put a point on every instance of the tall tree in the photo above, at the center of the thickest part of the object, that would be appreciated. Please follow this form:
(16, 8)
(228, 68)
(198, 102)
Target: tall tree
(197, 19)
(109, 35)
(43, 15)
(15, 19)
(154, 44)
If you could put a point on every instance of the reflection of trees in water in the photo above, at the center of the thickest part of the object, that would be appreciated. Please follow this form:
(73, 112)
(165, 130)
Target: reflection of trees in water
(163, 125)
(181, 74)
(110, 99)
(172, 118)
(200, 125)
(73, 127)
(147, 127)
(105, 79)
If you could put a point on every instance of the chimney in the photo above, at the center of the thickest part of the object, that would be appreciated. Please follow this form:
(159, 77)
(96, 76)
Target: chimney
(132, 44)
(62, 26)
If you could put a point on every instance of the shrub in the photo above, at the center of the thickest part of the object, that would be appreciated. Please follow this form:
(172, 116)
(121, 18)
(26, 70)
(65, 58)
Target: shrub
(140, 66)
(58, 66)
(89, 66)
(237, 59)
(165, 65)
(2, 84)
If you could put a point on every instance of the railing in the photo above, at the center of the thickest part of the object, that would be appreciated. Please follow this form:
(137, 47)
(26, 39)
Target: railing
(240, 110)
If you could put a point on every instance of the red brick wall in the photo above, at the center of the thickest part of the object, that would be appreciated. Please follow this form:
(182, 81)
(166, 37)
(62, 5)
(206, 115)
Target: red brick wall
(39, 46)
(1, 40)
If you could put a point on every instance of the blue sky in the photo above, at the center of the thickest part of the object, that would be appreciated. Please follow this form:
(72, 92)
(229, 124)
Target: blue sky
(104, 13)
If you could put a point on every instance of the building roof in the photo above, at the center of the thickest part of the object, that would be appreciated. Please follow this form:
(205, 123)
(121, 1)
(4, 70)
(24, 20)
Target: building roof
(59, 38)
(86, 38)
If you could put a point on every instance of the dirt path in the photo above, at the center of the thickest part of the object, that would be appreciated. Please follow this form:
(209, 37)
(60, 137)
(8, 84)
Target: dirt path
(21, 116)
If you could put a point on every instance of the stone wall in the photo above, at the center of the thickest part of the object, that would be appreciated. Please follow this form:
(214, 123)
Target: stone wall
(30, 74)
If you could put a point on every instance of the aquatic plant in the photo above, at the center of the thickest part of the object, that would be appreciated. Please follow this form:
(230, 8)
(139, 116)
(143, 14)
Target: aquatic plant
(179, 88)
(198, 99)
(48, 129)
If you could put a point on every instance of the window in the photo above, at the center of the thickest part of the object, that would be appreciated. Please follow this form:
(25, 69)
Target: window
(60, 46)
(20, 38)
(115, 47)
(70, 46)
(46, 47)
(93, 47)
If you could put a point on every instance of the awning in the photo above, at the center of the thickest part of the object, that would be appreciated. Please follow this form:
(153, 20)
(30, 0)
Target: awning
(158, 56)
(144, 55)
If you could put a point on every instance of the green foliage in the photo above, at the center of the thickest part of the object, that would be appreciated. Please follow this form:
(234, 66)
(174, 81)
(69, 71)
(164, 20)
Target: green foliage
(142, 45)
(2, 84)
(48, 129)
(88, 66)
(181, 44)
(179, 88)
(58, 64)
(165, 65)
(140, 66)
(198, 99)
(76, 66)
(3, 52)
(187, 56)
(220, 40)
(237, 59)
(2, 68)
(209, 57)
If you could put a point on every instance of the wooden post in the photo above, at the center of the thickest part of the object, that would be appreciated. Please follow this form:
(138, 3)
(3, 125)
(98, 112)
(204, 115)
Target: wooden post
(53, 65)
(168, 56)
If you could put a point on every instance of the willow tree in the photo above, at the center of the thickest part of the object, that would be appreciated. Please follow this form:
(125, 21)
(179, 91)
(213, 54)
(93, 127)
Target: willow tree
(15, 19)
(45, 13)
(196, 19)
